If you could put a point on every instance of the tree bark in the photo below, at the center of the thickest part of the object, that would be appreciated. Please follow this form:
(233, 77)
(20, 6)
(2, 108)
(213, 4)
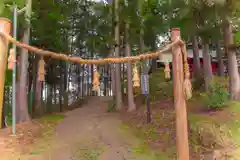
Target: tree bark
(38, 98)
(220, 59)
(117, 54)
(61, 87)
(23, 98)
(207, 66)
(55, 94)
(23, 103)
(65, 85)
(131, 104)
(196, 59)
(234, 79)
(49, 99)
(18, 90)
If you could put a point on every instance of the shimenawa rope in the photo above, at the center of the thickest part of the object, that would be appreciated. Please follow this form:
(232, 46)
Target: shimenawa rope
(62, 56)
(144, 56)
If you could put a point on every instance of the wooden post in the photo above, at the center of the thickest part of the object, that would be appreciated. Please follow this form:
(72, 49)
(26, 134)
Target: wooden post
(179, 99)
(5, 26)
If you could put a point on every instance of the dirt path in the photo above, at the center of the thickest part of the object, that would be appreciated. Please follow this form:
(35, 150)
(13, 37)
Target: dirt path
(89, 133)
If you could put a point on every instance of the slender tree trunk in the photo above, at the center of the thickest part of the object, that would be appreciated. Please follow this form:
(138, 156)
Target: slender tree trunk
(61, 87)
(23, 98)
(49, 99)
(82, 80)
(220, 59)
(112, 73)
(234, 79)
(154, 60)
(5, 108)
(117, 54)
(131, 104)
(66, 85)
(196, 59)
(207, 66)
(34, 81)
(54, 94)
(38, 97)
(24, 115)
(18, 90)
(78, 79)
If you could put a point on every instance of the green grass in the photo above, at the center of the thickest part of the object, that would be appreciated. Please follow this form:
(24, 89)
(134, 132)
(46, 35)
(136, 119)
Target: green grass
(160, 89)
(47, 140)
(140, 148)
(222, 132)
(53, 118)
(88, 148)
(86, 154)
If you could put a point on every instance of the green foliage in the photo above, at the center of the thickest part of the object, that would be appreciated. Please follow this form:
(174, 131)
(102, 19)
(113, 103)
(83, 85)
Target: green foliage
(237, 38)
(217, 97)
(8, 78)
(53, 118)
(198, 83)
(6, 7)
(111, 106)
(160, 89)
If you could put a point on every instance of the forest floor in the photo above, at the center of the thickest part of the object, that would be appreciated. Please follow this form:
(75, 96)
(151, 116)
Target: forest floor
(86, 133)
(91, 133)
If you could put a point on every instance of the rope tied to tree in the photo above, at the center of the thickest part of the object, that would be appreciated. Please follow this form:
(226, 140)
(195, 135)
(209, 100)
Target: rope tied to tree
(167, 71)
(61, 56)
(11, 59)
(41, 70)
(135, 79)
(187, 82)
(96, 81)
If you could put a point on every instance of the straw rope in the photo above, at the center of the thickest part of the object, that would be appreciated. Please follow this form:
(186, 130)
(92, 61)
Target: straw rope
(62, 56)
(187, 82)
(143, 56)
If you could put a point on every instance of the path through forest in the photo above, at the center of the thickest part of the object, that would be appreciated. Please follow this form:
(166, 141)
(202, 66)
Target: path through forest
(89, 133)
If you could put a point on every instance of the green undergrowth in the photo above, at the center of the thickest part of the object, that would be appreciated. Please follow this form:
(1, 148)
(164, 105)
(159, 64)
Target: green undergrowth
(219, 130)
(215, 127)
(53, 118)
(159, 87)
(111, 106)
(91, 153)
(140, 147)
(44, 143)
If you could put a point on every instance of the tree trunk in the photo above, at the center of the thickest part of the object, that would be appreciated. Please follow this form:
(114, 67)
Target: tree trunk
(49, 99)
(117, 54)
(5, 107)
(38, 98)
(82, 81)
(131, 104)
(196, 59)
(23, 103)
(234, 79)
(61, 88)
(18, 90)
(34, 81)
(207, 66)
(154, 60)
(220, 59)
(54, 94)
(23, 98)
(66, 85)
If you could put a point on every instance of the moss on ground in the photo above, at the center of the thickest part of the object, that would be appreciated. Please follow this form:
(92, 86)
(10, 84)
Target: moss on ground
(217, 130)
(208, 130)
(47, 140)
(139, 145)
